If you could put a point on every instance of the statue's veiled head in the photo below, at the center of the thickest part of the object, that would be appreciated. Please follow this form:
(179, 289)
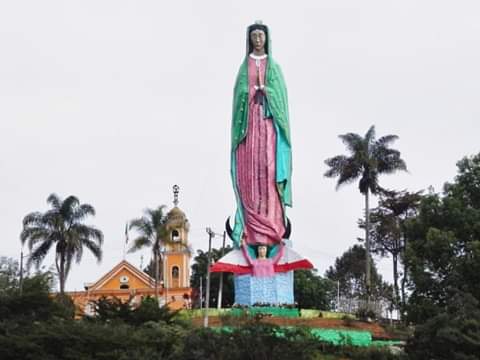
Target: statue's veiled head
(257, 38)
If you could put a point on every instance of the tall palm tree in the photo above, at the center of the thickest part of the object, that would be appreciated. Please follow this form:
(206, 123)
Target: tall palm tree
(63, 227)
(152, 232)
(368, 158)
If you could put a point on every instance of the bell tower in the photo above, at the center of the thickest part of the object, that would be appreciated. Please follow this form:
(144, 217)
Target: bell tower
(177, 251)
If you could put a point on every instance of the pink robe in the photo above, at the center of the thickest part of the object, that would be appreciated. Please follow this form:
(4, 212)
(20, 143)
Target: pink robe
(255, 157)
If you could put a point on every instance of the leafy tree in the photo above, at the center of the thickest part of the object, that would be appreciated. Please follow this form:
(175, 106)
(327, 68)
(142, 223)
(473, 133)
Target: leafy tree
(35, 302)
(388, 232)
(368, 159)
(149, 310)
(62, 226)
(199, 270)
(312, 291)
(450, 335)
(152, 233)
(349, 272)
(113, 309)
(443, 253)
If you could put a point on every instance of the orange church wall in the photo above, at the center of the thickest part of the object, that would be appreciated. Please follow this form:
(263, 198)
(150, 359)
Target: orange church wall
(133, 282)
(140, 285)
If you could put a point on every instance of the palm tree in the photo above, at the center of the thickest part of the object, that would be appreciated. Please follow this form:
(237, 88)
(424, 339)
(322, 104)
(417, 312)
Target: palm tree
(153, 233)
(368, 158)
(63, 227)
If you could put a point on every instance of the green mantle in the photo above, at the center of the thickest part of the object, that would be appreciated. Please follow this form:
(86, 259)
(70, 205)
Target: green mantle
(277, 102)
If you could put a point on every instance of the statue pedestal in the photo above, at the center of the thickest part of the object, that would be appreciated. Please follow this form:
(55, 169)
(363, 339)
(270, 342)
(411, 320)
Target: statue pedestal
(273, 290)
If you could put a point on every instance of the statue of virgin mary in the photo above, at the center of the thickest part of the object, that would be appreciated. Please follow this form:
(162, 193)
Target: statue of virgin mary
(261, 165)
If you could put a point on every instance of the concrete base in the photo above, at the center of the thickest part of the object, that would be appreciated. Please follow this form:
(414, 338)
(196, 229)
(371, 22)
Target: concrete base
(274, 290)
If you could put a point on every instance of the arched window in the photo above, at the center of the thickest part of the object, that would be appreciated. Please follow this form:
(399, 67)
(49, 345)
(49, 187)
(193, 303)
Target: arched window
(124, 286)
(175, 277)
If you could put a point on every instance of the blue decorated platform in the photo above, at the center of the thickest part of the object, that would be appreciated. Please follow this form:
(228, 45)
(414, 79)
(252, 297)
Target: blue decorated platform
(275, 290)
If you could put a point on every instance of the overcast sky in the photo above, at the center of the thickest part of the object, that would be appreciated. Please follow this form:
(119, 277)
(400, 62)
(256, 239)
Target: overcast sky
(117, 101)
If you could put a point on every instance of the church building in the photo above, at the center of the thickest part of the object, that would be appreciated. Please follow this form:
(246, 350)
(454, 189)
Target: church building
(129, 283)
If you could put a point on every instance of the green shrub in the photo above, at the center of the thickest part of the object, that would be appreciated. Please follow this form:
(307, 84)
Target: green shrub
(35, 303)
(114, 310)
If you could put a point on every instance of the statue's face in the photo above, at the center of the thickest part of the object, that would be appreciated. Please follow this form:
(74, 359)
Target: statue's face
(262, 252)
(258, 39)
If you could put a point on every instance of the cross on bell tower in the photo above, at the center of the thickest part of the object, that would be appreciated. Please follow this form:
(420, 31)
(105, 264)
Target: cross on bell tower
(176, 190)
(177, 252)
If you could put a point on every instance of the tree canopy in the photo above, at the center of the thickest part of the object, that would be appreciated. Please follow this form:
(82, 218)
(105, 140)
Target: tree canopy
(444, 252)
(313, 291)
(152, 233)
(349, 270)
(63, 227)
(199, 270)
(443, 257)
(369, 158)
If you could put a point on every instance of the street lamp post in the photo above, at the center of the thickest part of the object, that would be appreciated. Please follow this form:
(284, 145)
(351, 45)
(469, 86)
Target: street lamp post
(211, 234)
(338, 295)
(220, 285)
(21, 272)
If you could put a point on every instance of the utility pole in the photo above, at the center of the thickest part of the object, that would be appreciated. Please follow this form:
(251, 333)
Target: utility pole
(211, 234)
(201, 292)
(220, 286)
(22, 256)
(338, 295)
(367, 250)
(21, 272)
